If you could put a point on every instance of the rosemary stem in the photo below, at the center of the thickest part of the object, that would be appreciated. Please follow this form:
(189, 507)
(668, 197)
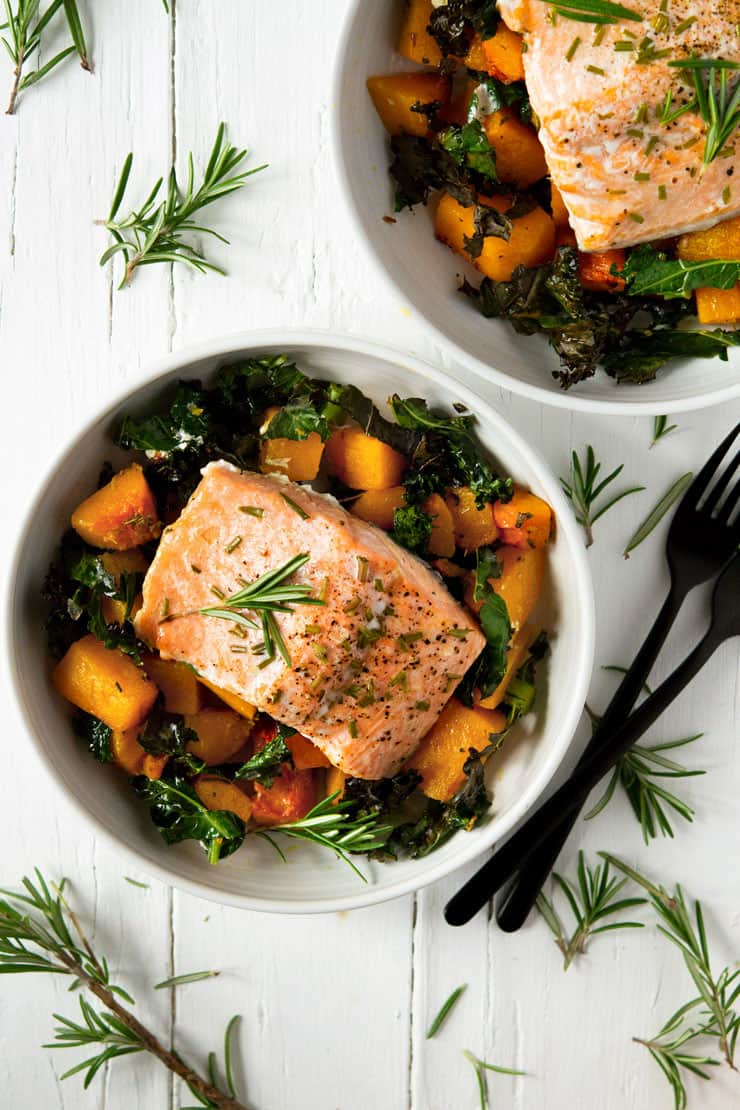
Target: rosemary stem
(16, 85)
(147, 1039)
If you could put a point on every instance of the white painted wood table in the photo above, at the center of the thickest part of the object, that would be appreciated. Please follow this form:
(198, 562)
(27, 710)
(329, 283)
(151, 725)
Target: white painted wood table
(334, 1008)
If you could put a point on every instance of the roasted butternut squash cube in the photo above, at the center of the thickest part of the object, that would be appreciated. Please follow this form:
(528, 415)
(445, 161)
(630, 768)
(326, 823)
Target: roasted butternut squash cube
(234, 701)
(221, 733)
(154, 765)
(290, 797)
(362, 461)
(335, 780)
(442, 539)
(306, 755)
(126, 750)
(503, 54)
(378, 506)
(218, 794)
(520, 156)
(518, 651)
(297, 459)
(525, 521)
(595, 270)
(106, 683)
(114, 611)
(473, 527)
(120, 515)
(442, 753)
(718, 306)
(119, 563)
(182, 691)
(532, 239)
(520, 584)
(415, 42)
(395, 97)
(720, 241)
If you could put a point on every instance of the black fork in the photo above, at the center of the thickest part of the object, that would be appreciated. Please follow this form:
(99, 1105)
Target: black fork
(701, 540)
(571, 796)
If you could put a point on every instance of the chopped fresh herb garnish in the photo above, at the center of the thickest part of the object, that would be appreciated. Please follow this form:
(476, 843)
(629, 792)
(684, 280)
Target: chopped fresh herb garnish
(301, 512)
(252, 510)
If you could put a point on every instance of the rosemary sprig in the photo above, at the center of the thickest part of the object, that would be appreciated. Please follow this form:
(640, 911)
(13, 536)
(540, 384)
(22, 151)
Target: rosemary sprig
(657, 513)
(481, 1067)
(716, 103)
(330, 825)
(154, 232)
(583, 490)
(444, 1011)
(661, 428)
(25, 26)
(637, 773)
(593, 11)
(39, 932)
(717, 1004)
(267, 595)
(592, 899)
(668, 1050)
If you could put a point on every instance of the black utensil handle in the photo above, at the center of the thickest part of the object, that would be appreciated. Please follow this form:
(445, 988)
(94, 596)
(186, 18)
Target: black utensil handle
(571, 796)
(520, 896)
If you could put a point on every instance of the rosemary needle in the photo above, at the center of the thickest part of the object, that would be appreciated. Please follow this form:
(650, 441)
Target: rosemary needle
(444, 1011)
(188, 977)
(656, 514)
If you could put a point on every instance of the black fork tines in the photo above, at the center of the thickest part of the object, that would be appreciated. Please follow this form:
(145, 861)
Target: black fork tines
(715, 494)
(699, 486)
(730, 505)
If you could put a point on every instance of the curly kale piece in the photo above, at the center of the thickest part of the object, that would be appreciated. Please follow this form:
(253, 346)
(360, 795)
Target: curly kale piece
(454, 24)
(412, 528)
(167, 734)
(96, 735)
(266, 764)
(180, 815)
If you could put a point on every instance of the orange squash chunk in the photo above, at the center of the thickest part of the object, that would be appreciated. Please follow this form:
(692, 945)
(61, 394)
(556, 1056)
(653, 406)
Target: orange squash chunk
(473, 527)
(595, 270)
(335, 780)
(119, 563)
(305, 754)
(221, 733)
(518, 651)
(106, 683)
(525, 521)
(532, 239)
(440, 757)
(179, 685)
(362, 461)
(234, 701)
(129, 755)
(378, 506)
(442, 539)
(218, 794)
(720, 241)
(520, 584)
(415, 42)
(121, 515)
(520, 157)
(290, 797)
(503, 54)
(718, 306)
(395, 96)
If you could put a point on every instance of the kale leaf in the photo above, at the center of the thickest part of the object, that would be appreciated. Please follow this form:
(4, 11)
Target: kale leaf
(487, 566)
(297, 420)
(167, 734)
(179, 815)
(185, 426)
(492, 95)
(648, 271)
(470, 149)
(266, 764)
(412, 528)
(355, 404)
(441, 819)
(421, 166)
(489, 668)
(447, 456)
(453, 25)
(379, 797)
(96, 735)
(641, 353)
(487, 221)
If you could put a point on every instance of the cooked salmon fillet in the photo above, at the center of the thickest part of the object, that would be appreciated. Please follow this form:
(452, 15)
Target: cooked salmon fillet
(625, 177)
(371, 670)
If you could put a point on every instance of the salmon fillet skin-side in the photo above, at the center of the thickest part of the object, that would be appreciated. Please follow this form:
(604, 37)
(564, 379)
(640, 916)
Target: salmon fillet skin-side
(371, 669)
(600, 92)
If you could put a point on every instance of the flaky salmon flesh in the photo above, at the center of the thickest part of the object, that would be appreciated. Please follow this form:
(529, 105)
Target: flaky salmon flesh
(370, 670)
(599, 93)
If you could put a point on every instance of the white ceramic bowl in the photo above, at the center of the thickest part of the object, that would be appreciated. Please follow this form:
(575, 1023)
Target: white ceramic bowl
(313, 880)
(426, 273)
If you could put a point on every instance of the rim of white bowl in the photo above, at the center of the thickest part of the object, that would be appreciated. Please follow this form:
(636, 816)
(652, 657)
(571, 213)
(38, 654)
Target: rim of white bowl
(252, 341)
(564, 399)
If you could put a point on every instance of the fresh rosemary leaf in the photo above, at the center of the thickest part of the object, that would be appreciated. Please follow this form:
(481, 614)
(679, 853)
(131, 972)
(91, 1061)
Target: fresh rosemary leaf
(135, 882)
(444, 1011)
(189, 977)
(76, 31)
(583, 490)
(716, 103)
(656, 514)
(481, 1067)
(154, 232)
(592, 898)
(661, 428)
(25, 27)
(593, 11)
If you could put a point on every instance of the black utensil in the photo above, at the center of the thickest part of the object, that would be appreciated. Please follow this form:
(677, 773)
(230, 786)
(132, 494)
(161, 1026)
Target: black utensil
(570, 797)
(700, 542)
